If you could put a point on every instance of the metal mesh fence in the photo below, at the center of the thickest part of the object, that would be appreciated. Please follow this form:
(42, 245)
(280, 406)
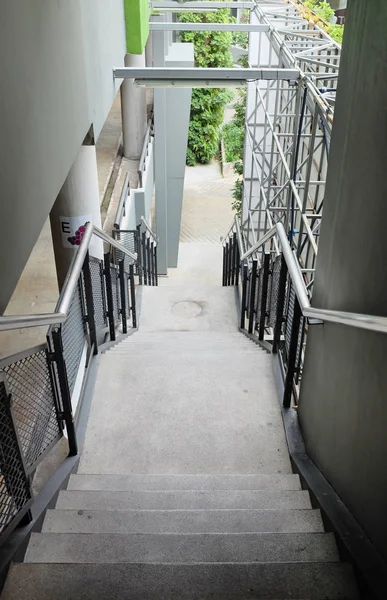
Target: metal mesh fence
(116, 294)
(29, 382)
(274, 291)
(14, 492)
(73, 337)
(99, 297)
(289, 316)
(129, 239)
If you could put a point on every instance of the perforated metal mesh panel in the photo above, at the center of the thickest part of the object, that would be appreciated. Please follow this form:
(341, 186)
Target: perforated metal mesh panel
(129, 239)
(73, 337)
(116, 294)
(289, 316)
(273, 291)
(28, 380)
(258, 297)
(99, 298)
(14, 493)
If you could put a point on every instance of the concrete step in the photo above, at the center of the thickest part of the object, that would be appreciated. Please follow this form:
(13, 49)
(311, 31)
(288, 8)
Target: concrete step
(171, 500)
(120, 483)
(315, 581)
(182, 548)
(183, 521)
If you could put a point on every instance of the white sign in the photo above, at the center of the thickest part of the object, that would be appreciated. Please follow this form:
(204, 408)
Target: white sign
(72, 229)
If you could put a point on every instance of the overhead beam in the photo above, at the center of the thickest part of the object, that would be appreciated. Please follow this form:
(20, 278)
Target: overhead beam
(168, 74)
(180, 5)
(153, 26)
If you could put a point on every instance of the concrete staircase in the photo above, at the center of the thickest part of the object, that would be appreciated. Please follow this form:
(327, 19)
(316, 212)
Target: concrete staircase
(224, 518)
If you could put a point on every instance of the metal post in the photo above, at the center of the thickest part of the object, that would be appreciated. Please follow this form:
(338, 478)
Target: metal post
(133, 296)
(237, 264)
(292, 355)
(244, 296)
(233, 253)
(123, 284)
(156, 276)
(280, 304)
(253, 285)
(149, 260)
(90, 317)
(265, 283)
(143, 238)
(228, 273)
(224, 266)
(65, 391)
(152, 257)
(139, 256)
(109, 296)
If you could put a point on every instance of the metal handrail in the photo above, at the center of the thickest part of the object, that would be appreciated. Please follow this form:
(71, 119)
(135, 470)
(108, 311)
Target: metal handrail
(122, 203)
(144, 152)
(361, 321)
(149, 229)
(63, 306)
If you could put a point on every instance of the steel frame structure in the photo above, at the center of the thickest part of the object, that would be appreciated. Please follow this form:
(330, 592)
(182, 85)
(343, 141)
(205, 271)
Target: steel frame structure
(288, 129)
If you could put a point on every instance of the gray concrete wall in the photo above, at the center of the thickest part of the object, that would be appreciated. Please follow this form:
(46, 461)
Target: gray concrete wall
(56, 62)
(343, 409)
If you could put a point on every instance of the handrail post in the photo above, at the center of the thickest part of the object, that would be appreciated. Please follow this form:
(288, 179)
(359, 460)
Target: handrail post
(109, 296)
(132, 296)
(64, 390)
(233, 252)
(237, 263)
(280, 304)
(288, 389)
(152, 261)
(265, 282)
(143, 240)
(253, 285)
(227, 263)
(224, 266)
(122, 278)
(148, 260)
(139, 256)
(244, 296)
(156, 275)
(90, 317)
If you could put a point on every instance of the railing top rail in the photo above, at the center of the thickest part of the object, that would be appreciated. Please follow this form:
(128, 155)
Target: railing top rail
(149, 229)
(361, 321)
(122, 202)
(63, 306)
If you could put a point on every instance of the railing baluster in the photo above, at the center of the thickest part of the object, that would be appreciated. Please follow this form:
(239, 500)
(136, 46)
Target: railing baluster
(224, 280)
(233, 244)
(148, 260)
(156, 275)
(139, 256)
(143, 238)
(265, 281)
(90, 304)
(228, 273)
(244, 296)
(133, 296)
(237, 261)
(123, 283)
(253, 285)
(292, 354)
(280, 304)
(109, 296)
(152, 256)
(65, 391)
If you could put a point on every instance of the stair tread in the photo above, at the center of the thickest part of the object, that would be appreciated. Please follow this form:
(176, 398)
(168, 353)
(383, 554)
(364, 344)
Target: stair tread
(181, 547)
(315, 581)
(181, 499)
(183, 521)
(183, 482)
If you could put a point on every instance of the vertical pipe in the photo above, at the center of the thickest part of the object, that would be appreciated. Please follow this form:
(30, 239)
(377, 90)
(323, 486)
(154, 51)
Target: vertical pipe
(265, 281)
(253, 285)
(133, 296)
(139, 255)
(244, 296)
(280, 304)
(90, 304)
(123, 285)
(144, 265)
(288, 390)
(109, 296)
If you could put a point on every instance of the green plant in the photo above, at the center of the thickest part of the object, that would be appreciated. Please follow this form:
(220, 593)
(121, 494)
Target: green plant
(237, 194)
(322, 15)
(212, 49)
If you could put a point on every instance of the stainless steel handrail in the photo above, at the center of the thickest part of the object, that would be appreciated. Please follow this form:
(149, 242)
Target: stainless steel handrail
(63, 306)
(122, 203)
(361, 321)
(148, 228)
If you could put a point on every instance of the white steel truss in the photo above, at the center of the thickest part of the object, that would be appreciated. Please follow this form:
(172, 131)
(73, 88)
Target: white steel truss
(288, 129)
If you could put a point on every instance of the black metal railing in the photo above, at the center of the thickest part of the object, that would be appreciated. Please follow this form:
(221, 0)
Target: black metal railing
(143, 241)
(38, 387)
(269, 308)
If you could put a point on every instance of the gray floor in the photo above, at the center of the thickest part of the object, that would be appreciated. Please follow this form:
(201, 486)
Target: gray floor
(188, 393)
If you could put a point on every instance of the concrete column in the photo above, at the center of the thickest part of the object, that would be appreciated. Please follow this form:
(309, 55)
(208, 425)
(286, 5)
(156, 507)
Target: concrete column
(133, 110)
(77, 203)
(343, 408)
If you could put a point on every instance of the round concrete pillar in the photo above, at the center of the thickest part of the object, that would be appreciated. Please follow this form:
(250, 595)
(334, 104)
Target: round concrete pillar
(133, 109)
(76, 204)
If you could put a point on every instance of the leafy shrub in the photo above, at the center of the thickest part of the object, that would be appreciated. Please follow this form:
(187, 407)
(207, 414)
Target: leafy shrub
(237, 194)
(212, 49)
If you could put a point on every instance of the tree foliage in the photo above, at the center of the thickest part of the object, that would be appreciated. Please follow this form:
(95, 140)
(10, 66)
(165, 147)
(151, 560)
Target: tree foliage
(321, 13)
(233, 137)
(212, 49)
